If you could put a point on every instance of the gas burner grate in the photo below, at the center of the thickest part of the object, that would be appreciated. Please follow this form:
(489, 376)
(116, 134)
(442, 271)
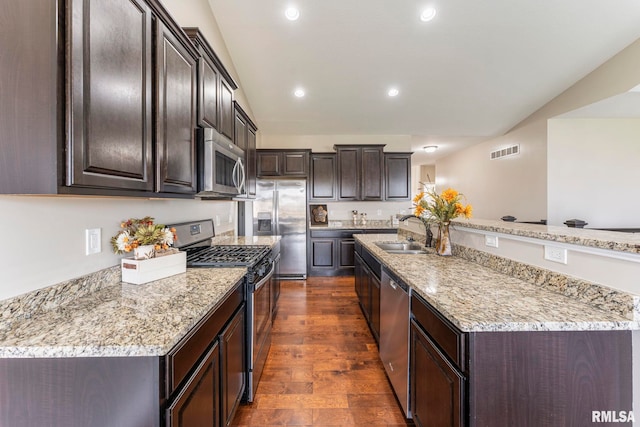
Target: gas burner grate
(225, 256)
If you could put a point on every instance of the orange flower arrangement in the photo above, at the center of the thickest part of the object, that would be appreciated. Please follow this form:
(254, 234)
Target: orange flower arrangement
(440, 208)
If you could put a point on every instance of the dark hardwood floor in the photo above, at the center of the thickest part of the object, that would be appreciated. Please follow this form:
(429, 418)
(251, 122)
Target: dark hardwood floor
(323, 368)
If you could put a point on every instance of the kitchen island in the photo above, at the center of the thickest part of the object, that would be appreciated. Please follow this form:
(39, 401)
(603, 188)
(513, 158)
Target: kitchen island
(490, 349)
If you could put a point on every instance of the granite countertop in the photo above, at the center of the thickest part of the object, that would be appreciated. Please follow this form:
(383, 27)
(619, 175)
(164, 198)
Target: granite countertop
(613, 240)
(123, 319)
(348, 224)
(477, 299)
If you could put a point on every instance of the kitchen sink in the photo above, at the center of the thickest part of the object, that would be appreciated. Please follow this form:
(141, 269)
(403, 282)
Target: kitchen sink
(402, 247)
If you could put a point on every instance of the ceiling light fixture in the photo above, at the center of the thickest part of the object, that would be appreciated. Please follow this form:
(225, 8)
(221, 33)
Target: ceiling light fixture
(292, 13)
(299, 92)
(430, 148)
(393, 92)
(428, 14)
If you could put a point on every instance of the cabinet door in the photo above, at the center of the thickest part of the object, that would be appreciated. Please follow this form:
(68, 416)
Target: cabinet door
(437, 389)
(358, 273)
(349, 165)
(225, 126)
(397, 167)
(209, 86)
(375, 306)
(322, 256)
(345, 257)
(250, 158)
(176, 115)
(110, 140)
(372, 173)
(322, 182)
(198, 404)
(295, 163)
(269, 163)
(240, 131)
(233, 365)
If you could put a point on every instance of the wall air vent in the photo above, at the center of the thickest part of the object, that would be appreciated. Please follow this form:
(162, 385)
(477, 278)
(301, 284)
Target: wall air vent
(507, 151)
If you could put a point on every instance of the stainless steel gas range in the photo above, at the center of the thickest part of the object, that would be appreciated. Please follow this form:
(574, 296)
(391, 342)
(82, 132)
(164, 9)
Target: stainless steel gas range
(261, 261)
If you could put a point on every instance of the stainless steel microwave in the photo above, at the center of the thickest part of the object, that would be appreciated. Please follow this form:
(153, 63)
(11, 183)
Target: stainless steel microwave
(221, 164)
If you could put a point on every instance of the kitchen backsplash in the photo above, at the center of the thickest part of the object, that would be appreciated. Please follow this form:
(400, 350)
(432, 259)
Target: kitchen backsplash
(382, 211)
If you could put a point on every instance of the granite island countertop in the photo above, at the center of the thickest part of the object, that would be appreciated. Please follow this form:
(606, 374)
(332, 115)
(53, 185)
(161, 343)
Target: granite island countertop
(123, 319)
(478, 299)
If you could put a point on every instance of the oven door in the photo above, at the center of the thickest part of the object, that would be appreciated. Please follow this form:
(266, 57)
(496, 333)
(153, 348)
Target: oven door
(260, 329)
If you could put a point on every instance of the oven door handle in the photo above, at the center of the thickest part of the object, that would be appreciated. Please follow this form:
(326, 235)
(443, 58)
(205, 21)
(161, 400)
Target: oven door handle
(266, 278)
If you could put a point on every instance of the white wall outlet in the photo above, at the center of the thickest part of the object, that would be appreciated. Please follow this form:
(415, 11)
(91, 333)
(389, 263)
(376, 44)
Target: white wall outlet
(230, 219)
(93, 241)
(218, 220)
(491, 241)
(379, 212)
(555, 254)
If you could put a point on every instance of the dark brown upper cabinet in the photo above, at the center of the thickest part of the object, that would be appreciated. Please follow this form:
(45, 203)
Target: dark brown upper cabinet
(397, 176)
(322, 177)
(110, 95)
(215, 88)
(278, 162)
(103, 117)
(365, 181)
(245, 137)
(176, 110)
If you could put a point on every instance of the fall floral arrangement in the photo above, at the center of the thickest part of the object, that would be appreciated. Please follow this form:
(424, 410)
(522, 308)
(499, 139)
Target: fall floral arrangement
(136, 232)
(432, 207)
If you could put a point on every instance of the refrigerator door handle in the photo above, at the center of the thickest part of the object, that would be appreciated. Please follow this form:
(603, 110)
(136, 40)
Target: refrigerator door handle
(276, 228)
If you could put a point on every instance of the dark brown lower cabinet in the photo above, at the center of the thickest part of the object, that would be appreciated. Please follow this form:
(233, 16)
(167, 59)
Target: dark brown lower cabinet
(368, 292)
(515, 378)
(437, 389)
(199, 403)
(199, 382)
(233, 366)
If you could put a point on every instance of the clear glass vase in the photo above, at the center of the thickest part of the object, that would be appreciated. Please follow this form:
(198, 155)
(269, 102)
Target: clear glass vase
(443, 244)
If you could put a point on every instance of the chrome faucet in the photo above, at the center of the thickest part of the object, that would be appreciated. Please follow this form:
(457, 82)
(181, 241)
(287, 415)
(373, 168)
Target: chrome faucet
(429, 234)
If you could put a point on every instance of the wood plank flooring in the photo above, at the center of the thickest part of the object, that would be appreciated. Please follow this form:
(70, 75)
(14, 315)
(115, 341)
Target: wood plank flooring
(323, 368)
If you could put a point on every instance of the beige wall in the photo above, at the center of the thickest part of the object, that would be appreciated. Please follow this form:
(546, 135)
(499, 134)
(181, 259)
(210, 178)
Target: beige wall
(43, 237)
(593, 171)
(518, 185)
(197, 13)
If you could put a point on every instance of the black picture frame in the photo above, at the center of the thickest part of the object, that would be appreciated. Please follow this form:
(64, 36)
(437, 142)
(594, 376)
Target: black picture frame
(316, 215)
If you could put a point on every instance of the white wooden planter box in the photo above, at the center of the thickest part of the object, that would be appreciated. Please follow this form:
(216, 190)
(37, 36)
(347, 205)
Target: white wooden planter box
(139, 271)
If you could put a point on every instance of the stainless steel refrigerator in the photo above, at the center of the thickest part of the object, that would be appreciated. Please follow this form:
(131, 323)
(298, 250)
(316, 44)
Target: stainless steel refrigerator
(280, 208)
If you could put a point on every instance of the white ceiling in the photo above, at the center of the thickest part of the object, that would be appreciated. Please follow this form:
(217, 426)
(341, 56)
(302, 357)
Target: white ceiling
(473, 72)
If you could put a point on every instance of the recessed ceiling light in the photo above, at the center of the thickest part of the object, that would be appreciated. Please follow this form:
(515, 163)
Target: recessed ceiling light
(299, 92)
(292, 13)
(430, 148)
(393, 92)
(428, 14)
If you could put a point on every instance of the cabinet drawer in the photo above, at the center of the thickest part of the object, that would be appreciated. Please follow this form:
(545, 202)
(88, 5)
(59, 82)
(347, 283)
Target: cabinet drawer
(338, 234)
(447, 337)
(183, 358)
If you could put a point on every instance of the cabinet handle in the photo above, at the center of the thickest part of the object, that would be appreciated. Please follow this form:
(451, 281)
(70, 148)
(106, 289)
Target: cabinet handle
(393, 284)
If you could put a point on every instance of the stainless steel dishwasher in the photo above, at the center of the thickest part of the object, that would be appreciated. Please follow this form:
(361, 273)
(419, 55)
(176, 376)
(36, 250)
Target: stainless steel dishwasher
(394, 336)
